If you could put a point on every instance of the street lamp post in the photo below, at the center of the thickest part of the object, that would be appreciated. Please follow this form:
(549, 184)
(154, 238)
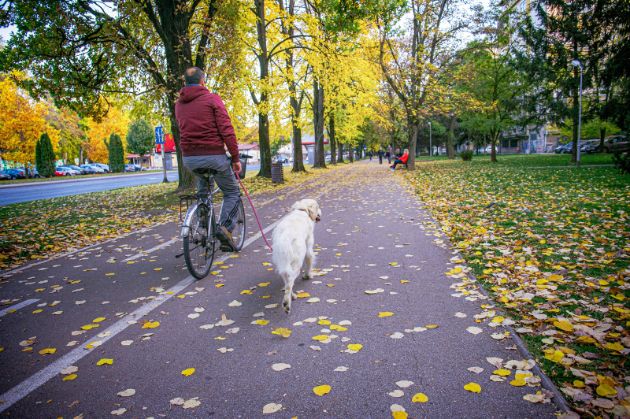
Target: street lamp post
(578, 64)
(430, 141)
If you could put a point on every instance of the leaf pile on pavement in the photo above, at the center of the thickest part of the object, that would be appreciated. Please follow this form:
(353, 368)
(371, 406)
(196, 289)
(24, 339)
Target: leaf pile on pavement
(39, 229)
(552, 248)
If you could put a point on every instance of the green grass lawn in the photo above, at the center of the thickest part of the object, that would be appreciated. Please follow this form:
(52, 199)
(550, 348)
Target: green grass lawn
(552, 247)
(531, 160)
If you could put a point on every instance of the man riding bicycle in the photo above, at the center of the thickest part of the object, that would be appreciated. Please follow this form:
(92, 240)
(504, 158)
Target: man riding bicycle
(205, 130)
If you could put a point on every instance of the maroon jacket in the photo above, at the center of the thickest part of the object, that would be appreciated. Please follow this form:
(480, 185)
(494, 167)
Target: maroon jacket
(204, 124)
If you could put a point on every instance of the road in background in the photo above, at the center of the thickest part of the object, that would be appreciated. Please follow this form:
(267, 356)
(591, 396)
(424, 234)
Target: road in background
(43, 190)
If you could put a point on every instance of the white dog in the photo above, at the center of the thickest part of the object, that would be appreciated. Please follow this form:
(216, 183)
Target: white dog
(293, 240)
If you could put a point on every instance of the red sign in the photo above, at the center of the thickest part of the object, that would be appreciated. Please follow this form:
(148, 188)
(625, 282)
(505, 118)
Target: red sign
(169, 144)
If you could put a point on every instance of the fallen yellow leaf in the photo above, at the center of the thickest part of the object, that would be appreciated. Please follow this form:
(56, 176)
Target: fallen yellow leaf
(473, 387)
(282, 331)
(98, 320)
(382, 314)
(419, 398)
(355, 347)
(563, 325)
(150, 325)
(105, 361)
(261, 322)
(47, 351)
(322, 390)
(69, 377)
(502, 372)
(605, 390)
(188, 372)
(338, 328)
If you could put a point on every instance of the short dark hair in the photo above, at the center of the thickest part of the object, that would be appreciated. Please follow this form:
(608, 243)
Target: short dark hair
(193, 75)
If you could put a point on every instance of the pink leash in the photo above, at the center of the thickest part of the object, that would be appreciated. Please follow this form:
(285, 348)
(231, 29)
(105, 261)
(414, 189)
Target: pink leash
(255, 213)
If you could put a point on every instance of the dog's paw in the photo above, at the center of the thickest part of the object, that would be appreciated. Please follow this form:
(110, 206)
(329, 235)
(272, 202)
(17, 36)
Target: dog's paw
(293, 296)
(307, 276)
(287, 306)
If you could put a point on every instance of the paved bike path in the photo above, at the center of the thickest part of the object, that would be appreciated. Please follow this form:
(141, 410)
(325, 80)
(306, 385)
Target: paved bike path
(373, 236)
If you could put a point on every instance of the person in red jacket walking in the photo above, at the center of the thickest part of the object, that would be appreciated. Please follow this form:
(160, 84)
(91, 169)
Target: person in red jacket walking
(400, 160)
(205, 131)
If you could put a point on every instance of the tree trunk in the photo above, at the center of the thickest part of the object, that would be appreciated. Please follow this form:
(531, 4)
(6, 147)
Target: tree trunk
(602, 136)
(332, 139)
(413, 136)
(185, 176)
(265, 149)
(318, 124)
(351, 154)
(263, 104)
(493, 150)
(340, 153)
(450, 138)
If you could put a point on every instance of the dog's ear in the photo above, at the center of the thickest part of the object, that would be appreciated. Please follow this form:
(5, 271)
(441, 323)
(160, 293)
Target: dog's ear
(299, 205)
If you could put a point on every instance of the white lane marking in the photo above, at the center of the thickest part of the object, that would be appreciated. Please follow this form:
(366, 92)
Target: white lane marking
(18, 306)
(38, 379)
(151, 250)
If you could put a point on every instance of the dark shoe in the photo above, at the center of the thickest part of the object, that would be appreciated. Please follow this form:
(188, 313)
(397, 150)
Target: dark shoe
(225, 237)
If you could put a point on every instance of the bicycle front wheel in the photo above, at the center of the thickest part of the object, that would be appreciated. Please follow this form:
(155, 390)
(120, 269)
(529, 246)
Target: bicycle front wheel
(200, 242)
(238, 233)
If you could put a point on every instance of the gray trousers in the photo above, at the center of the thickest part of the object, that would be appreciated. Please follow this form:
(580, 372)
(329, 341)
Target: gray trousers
(225, 180)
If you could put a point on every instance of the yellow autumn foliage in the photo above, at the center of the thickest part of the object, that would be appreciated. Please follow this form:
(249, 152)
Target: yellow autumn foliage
(114, 122)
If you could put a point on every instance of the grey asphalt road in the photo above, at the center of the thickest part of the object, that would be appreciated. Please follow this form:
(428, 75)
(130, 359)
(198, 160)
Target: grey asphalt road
(374, 236)
(11, 194)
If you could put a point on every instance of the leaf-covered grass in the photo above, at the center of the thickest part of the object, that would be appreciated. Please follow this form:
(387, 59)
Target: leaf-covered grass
(552, 247)
(38, 229)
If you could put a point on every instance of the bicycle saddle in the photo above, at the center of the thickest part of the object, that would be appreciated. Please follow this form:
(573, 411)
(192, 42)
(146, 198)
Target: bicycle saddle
(204, 171)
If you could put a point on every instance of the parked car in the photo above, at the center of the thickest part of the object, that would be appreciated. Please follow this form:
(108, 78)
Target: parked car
(16, 173)
(4, 175)
(97, 168)
(90, 170)
(81, 170)
(564, 148)
(66, 171)
(102, 166)
(616, 143)
(590, 146)
(132, 168)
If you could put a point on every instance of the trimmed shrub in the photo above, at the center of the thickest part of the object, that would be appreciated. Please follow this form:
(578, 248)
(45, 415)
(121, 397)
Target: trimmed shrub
(116, 154)
(45, 156)
(466, 155)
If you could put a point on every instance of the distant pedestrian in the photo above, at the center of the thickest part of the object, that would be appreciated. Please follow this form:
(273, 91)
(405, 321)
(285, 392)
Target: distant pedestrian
(370, 155)
(380, 156)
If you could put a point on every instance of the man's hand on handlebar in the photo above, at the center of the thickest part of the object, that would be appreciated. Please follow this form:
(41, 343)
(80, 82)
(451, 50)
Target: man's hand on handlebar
(236, 166)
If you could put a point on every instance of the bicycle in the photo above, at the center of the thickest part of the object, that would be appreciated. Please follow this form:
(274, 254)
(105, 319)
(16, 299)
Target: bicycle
(199, 228)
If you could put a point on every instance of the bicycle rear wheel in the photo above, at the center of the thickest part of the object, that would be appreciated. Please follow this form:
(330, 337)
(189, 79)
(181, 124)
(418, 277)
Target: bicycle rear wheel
(240, 224)
(200, 242)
